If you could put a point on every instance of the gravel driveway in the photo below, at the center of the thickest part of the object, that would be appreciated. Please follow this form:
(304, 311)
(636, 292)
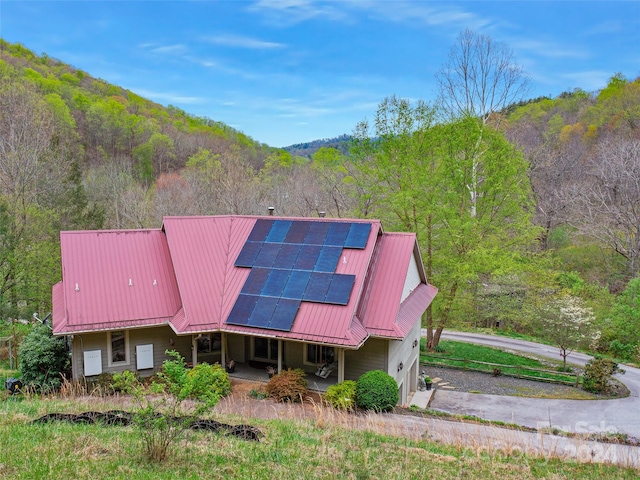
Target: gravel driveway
(477, 382)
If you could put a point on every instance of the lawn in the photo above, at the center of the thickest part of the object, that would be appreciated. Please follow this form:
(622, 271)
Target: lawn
(296, 449)
(451, 353)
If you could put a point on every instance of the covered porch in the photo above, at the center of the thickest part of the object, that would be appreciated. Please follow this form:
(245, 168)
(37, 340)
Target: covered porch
(244, 371)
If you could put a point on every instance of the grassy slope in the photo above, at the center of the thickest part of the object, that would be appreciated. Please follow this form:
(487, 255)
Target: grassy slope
(290, 449)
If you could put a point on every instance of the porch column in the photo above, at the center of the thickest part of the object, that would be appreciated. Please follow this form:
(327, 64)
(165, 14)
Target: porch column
(194, 350)
(223, 349)
(279, 355)
(340, 365)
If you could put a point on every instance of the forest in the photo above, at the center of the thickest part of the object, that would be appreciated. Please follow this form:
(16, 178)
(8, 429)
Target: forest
(527, 211)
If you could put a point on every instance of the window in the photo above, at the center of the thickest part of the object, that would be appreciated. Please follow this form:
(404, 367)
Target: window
(118, 346)
(209, 343)
(319, 354)
(266, 349)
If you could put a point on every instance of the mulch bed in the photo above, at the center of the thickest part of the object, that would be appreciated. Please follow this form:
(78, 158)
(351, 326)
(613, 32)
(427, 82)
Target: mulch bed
(123, 419)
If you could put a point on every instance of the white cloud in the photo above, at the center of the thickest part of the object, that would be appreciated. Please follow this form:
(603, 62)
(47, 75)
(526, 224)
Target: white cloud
(289, 12)
(242, 42)
(177, 49)
(168, 97)
(548, 49)
(589, 80)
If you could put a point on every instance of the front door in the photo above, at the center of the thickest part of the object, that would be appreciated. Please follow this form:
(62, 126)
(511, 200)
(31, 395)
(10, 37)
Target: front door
(266, 349)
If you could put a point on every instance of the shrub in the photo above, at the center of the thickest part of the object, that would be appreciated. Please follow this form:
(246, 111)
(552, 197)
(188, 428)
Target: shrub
(342, 395)
(43, 359)
(163, 419)
(623, 351)
(125, 382)
(208, 380)
(288, 386)
(597, 375)
(376, 390)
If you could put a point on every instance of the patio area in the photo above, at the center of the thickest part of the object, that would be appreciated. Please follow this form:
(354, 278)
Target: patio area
(246, 372)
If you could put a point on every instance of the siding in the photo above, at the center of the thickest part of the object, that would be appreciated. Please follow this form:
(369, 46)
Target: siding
(412, 279)
(404, 351)
(371, 356)
(160, 338)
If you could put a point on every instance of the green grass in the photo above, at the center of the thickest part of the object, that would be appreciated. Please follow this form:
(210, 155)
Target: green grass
(290, 449)
(450, 353)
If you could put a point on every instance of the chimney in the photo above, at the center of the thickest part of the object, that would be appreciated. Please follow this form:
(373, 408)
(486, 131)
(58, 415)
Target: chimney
(322, 213)
(271, 209)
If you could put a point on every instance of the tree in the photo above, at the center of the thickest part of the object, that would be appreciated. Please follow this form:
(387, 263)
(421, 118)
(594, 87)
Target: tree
(417, 175)
(606, 204)
(43, 359)
(622, 328)
(493, 237)
(566, 321)
(480, 78)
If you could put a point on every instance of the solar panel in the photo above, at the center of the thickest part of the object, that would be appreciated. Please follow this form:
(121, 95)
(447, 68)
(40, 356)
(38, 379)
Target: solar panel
(340, 289)
(242, 309)
(278, 231)
(260, 230)
(287, 256)
(358, 235)
(297, 284)
(337, 234)
(317, 233)
(317, 287)
(328, 259)
(308, 257)
(291, 262)
(284, 315)
(267, 255)
(297, 232)
(275, 283)
(254, 283)
(263, 312)
(248, 254)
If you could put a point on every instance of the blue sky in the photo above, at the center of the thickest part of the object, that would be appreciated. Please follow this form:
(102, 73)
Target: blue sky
(291, 71)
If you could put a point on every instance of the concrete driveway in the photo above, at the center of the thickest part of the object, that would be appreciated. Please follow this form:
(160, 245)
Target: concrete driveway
(580, 416)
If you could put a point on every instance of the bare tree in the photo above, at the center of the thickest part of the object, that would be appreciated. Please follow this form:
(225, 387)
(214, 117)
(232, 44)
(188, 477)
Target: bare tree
(606, 206)
(480, 77)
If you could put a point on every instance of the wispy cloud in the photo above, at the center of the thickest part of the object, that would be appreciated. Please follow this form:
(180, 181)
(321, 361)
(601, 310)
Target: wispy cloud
(177, 49)
(588, 80)
(548, 49)
(290, 12)
(605, 28)
(169, 97)
(242, 42)
(348, 11)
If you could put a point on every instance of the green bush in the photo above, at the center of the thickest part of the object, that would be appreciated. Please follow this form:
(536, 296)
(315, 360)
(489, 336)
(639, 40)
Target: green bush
(204, 380)
(125, 382)
(288, 386)
(342, 395)
(623, 351)
(44, 359)
(376, 390)
(164, 419)
(597, 375)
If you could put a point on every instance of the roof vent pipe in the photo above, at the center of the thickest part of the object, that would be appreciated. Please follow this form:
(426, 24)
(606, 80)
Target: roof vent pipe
(322, 213)
(271, 209)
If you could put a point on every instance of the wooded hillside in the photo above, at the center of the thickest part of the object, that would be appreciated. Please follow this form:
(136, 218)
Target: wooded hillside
(554, 206)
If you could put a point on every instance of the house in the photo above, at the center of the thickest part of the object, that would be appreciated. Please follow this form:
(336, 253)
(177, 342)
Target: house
(294, 292)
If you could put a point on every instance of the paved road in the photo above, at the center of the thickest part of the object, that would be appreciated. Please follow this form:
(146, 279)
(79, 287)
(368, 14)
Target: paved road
(581, 416)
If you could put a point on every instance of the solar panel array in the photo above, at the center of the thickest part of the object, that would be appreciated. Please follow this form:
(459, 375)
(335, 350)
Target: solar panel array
(292, 261)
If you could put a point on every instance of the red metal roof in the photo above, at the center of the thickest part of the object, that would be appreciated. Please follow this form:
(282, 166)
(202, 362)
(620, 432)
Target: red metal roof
(196, 285)
(384, 312)
(114, 279)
